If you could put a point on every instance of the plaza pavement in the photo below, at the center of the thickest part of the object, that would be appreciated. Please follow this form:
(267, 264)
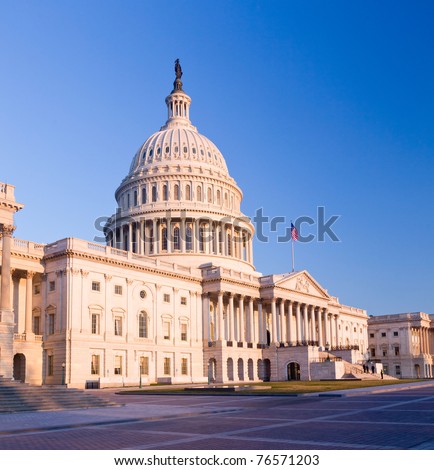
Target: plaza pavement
(388, 417)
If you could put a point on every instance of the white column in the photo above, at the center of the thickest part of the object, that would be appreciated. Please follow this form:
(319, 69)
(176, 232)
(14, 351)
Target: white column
(320, 338)
(241, 337)
(298, 323)
(337, 331)
(273, 321)
(220, 317)
(312, 323)
(130, 236)
(206, 315)
(183, 235)
(260, 323)
(251, 334)
(232, 241)
(28, 322)
(289, 335)
(231, 318)
(306, 324)
(282, 321)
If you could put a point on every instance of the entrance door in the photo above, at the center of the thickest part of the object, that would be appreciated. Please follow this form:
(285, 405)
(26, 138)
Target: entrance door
(293, 371)
(20, 367)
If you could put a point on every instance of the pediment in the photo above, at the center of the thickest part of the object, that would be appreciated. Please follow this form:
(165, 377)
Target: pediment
(302, 282)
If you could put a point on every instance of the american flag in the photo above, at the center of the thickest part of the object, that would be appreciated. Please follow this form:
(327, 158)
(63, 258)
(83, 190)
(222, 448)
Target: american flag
(294, 233)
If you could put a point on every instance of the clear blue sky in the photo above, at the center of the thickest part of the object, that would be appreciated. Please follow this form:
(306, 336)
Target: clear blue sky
(312, 103)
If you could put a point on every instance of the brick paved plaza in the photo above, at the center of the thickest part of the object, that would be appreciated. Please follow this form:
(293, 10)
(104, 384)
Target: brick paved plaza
(399, 418)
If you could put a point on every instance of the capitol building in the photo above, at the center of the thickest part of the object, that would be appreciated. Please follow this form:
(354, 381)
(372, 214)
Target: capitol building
(173, 296)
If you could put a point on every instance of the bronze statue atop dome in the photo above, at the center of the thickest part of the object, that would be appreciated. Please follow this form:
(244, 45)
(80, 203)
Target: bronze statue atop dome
(177, 84)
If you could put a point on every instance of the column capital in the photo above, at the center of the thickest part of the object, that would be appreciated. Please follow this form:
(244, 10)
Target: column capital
(7, 229)
(29, 274)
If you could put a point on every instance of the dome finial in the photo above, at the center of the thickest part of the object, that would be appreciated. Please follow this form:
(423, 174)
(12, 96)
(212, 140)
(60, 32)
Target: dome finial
(177, 84)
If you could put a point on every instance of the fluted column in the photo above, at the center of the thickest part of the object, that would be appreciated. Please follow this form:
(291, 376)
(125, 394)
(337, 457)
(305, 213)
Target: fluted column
(220, 317)
(337, 331)
(298, 323)
(6, 312)
(306, 324)
(289, 335)
(231, 318)
(5, 301)
(330, 320)
(29, 287)
(326, 327)
(282, 321)
(206, 316)
(183, 235)
(241, 337)
(320, 338)
(130, 236)
(260, 323)
(273, 321)
(251, 334)
(312, 323)
(232, 241)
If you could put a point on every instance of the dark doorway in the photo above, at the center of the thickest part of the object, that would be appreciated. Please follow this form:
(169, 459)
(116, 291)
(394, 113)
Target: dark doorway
(20, 367)
(293, 371)
(267, 370)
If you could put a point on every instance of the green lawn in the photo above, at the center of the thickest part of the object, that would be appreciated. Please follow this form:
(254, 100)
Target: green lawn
(294, 387)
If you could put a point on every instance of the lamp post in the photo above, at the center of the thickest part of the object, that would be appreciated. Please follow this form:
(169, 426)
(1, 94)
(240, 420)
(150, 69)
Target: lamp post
(140, 374)
(63, 373)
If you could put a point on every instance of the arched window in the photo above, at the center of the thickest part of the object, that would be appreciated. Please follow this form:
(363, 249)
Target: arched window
(229, 245)
(199, 193)
(164, 238)
(176, 239)
(165, 193)
(154, 193)
(151, 240)
(188, 238)
(219, 201)
(188, 193)
(209, 195)
(144, 195)
(176, 192)
(226, 200)
(143, 325)
(135, 198)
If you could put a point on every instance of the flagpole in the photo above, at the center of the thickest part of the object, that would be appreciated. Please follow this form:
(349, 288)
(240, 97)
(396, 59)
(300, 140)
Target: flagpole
(292, 240)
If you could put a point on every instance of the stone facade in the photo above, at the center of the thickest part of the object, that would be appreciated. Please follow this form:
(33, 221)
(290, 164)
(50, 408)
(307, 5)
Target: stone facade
(173, 296)
(404, 343)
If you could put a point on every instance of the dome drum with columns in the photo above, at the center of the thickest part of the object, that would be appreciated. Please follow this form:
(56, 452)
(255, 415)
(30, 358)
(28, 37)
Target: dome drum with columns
(179, 199)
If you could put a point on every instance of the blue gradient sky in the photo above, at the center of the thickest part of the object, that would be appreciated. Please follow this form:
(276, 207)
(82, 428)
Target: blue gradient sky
(312, 103)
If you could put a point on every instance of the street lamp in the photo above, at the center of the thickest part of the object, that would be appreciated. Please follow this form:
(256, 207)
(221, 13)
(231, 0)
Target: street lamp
(63, 373)
(140, 374)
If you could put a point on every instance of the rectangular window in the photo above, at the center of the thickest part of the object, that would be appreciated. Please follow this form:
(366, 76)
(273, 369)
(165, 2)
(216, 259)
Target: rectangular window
(118, 326)
(51, 323)
(396, 348)
(96, 286)
(135, 198)
(383, 335)
(50, 365)
(95, 324)
(118, 365)
(183, 332)
(166, 297)
(143, 325)
(167, 366)
(397, 370)
(183, 300)
(52, 286)
(144, 365)
(184, 366)
(384, 352)
(371, 335)
(37, 325)
(166, 330)
(94, 364)
(37, 289)
(372, 352)
(118, 290)
(395, 333)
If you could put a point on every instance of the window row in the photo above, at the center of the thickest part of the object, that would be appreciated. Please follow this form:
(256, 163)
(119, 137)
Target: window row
(118, 365)
(176, 192)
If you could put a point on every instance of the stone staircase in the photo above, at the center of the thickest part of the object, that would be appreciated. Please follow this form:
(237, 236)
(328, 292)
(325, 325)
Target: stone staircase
(355, 371)
(16, 396)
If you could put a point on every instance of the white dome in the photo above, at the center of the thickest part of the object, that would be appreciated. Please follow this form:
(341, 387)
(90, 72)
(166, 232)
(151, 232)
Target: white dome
(178, 145)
